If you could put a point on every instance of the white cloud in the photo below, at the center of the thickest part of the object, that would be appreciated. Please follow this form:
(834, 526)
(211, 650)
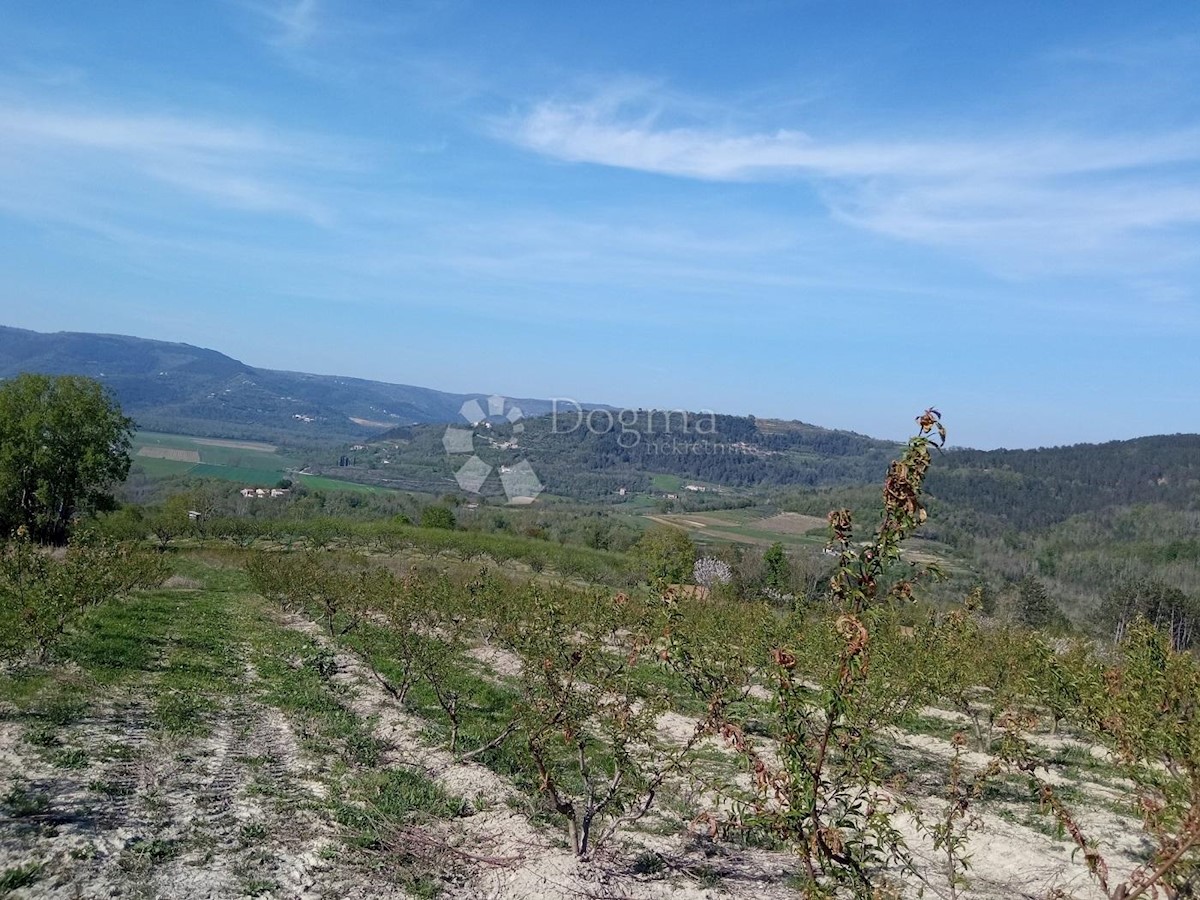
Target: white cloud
(236, 166)
(150, 134)
(1021, 201)
(295, 21)
(590, 133)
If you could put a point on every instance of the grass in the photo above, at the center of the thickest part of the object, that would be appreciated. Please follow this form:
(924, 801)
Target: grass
(47, 701)
(745, 534)
(294, 680)
(253, 833)
(74, 758)
(253, 476)
(19, 877)
(1074, 757)
(109, 788)
(123, 640)
(183, 655)
(140, 856)
(22, 803)
(379, 801)
(649, 863)
(379, 804)
(202, 666)
(666, 482)
(153, 467)
(486, 705)
(258, 887)
(237, 456)
(178, 643)
(187, 442)
(740, 526)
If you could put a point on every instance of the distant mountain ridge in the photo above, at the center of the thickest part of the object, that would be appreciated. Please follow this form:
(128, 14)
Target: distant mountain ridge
(179, 387)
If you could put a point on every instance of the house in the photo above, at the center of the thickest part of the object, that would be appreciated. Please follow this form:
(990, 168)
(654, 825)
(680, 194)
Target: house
(256, 493)
(620, 492)
(696, 488)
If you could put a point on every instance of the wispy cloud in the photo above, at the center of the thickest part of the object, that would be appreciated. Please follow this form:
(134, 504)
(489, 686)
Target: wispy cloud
(294, 22)
(1021, 200)
(227, 165)
(127, 132)
(597, 132)
(175, 193)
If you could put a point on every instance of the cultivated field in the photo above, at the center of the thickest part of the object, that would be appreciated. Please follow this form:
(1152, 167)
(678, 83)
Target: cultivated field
(253, 463)
(749, 526)
(258, 446)
(203, 740)
(174, 454)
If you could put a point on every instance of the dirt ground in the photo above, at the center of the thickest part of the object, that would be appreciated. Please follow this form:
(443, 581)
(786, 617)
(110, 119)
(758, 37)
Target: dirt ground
(113, 804)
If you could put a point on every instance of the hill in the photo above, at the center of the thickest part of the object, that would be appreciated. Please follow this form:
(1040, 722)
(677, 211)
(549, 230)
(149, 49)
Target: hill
(1025, 489)
(729, 457)
(181, 388)
(1084, 519)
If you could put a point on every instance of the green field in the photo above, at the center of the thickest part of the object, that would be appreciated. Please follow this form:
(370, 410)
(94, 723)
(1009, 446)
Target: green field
(760, 536)
(753, 525)
(161, 468)
(234, 454)
(248, 463)
(252, 477)
(253, 464)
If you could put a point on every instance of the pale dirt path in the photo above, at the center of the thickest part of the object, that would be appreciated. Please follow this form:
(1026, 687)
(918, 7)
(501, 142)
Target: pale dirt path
(233, 814)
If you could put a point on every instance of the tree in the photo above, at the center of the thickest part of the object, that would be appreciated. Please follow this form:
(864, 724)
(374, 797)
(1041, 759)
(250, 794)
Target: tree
(667, 554)
(1162, 605)
(985, 598)
(437, 517)
(778, 571)
(710, 572)
(64, 444)
(170, 520)
(1035, 607)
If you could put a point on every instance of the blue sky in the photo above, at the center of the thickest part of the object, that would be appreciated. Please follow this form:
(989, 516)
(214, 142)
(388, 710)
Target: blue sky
(836, 212)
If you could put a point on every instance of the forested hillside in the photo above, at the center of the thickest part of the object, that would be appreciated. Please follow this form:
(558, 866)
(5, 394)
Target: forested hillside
(1028, 489)
(181, 388)
(737, 452)
(1087, 521)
